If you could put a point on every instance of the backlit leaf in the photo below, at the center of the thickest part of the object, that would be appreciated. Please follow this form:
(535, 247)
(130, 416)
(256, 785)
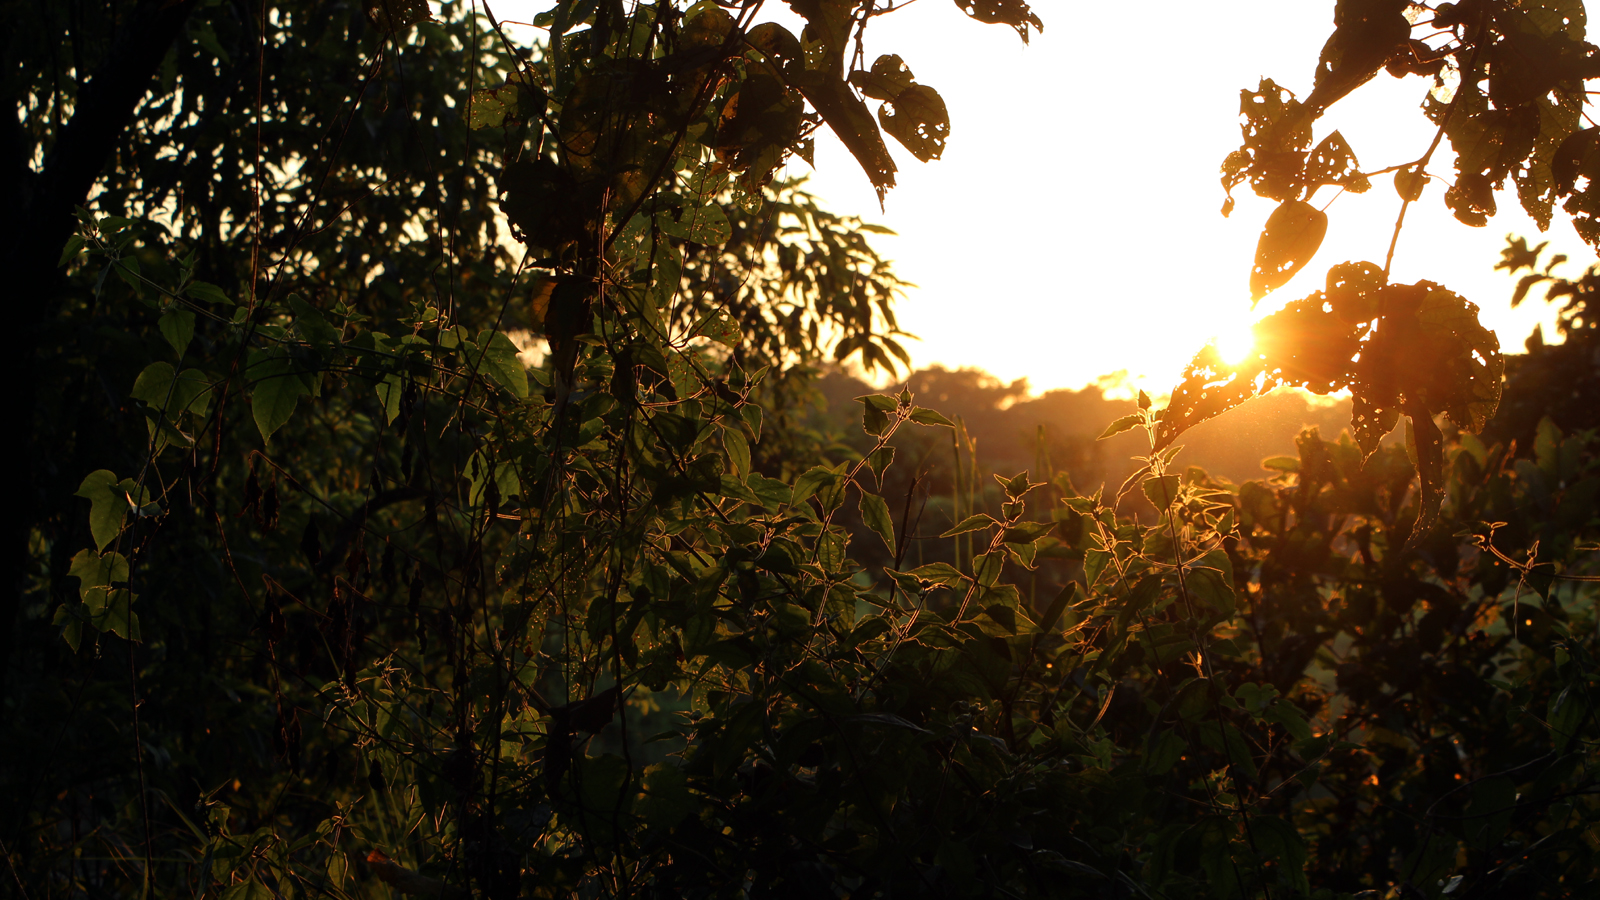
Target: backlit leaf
(1291, 237)
(875, 513)
(1003, 12)
(276, 388)
(107, 504)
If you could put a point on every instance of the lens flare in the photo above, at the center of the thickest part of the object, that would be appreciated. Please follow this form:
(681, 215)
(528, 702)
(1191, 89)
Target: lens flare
(1235, 342)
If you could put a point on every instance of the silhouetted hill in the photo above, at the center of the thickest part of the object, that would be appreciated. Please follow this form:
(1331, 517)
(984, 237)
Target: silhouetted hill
(1013, 431)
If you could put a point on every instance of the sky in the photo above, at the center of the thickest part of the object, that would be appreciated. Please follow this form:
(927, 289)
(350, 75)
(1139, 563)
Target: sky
(1072, 229)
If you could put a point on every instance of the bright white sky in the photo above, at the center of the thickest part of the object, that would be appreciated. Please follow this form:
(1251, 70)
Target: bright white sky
(1072, 228)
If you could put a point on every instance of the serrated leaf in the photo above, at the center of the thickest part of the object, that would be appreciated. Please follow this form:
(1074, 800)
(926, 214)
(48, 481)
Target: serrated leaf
(1162, 492)
(815, 479)
(978, 522)
(879, 460)
(1211, 588)
(924, 416)
(875, 513)
(1126, 423)
(940, 573)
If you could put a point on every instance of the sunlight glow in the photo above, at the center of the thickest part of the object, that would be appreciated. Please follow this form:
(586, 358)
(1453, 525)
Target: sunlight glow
(1026, 175)
(1235, 344)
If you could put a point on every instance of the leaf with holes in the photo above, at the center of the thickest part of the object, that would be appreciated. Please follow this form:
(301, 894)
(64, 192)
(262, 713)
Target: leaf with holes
(917, 118)
(1003, 12)
(1291, 237)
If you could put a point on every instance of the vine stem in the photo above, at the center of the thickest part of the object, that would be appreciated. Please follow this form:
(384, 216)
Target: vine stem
(1438, 136)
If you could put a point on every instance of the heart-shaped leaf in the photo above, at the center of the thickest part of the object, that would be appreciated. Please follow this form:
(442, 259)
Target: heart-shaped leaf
(1293, 233)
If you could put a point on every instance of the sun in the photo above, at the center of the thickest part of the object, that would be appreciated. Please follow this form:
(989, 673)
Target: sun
(1235, 339)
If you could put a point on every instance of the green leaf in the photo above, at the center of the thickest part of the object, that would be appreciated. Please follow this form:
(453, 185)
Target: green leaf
(207, 293)
(879, 461)
(311, 324)
(773, 492)
(127, 268)
(1063, 599)
(738, 449)
(971, 523)
(69, 617)
(95, 570)
(720, 327)
(699, 224)
(815, 479)
(924, 416)
(1162, 492)
(188, 391)
(1211, 589)
(277, 387)
(107, 504)
(102, 584)
(751, 414)
(940, 573)
(1142, 594)
(500, 362)
(70, 251)
(1132, 420)
(875, 513)
(390, 390)
(1292, 236)
(177, 326)
(491, 107)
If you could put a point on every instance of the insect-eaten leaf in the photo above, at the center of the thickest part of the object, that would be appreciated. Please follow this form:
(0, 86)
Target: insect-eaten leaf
(887, 80)
(1291, 237)
(1003, 12)
(515, 101)
(720, 327)
(912, 114)
(852, 123)
(918, 120)
(1333, 162)
(700, 224)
